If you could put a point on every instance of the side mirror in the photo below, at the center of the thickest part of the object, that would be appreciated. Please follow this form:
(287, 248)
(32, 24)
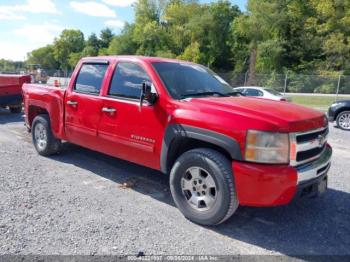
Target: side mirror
(147, 94)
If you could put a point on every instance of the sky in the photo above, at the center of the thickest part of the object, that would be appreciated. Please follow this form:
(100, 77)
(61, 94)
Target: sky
(29, 24)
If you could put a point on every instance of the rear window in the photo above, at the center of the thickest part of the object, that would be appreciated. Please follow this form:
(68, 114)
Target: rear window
(90, 78)
(274, 92)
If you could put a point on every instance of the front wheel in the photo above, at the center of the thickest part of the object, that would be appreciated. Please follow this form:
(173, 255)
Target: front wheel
(343, 120)
(44, 141)
(202, 185)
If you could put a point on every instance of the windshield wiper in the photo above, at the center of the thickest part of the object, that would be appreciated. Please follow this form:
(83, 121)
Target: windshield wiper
(203, 94)
(234, 93)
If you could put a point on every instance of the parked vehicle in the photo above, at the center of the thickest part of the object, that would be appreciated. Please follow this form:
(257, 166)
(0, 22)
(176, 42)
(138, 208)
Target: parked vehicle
(262, 92)
(221, 150)
(339, 111)
(11, 91)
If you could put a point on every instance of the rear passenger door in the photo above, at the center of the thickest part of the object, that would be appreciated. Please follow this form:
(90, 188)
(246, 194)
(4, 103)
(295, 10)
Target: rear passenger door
(125, 131)
(83, 105)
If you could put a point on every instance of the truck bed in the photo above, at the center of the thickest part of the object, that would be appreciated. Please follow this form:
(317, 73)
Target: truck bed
(48, 98)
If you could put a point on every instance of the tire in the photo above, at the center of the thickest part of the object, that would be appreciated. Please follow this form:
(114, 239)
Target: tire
(219, 204)
(343, 120)
(15, 109)
(44, 141)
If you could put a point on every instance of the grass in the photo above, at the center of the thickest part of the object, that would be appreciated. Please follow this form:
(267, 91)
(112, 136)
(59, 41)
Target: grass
(317, 102)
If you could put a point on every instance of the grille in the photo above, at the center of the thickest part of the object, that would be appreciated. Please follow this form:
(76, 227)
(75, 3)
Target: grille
(304, 155)
(308, 146)
(311, 136)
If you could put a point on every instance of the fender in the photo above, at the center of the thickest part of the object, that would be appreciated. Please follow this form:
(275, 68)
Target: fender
(177, 131)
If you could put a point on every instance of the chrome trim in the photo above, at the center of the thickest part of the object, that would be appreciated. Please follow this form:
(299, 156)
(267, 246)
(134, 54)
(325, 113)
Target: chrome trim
(312, 131)
(311, 144)
(309, 171)
(296, 147)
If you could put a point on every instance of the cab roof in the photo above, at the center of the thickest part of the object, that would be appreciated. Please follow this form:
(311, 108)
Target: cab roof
(146, 59)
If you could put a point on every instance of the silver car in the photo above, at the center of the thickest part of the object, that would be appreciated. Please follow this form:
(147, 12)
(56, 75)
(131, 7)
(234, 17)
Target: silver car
(262, 92)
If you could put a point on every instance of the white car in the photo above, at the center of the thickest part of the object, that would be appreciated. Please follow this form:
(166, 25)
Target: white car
(262, 92)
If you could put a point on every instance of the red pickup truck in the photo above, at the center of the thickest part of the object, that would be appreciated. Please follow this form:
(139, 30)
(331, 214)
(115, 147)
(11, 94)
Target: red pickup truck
(11, 91)
(220, 149)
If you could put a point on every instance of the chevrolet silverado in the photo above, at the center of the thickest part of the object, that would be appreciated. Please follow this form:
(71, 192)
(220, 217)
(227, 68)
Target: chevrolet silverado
(220, 149)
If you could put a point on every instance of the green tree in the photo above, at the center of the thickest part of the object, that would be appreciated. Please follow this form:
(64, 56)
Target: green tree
(43, 56)
(106, 36)
(124, 43)
(74, 58)
(70, 41)
(261, 22)
(192, 53)
(330, 23)
(92, 45)
(148, 33)
(223, 15)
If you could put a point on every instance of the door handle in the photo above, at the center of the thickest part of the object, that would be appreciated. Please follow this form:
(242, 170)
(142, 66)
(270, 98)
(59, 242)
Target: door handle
(109, 110)
(71, 103)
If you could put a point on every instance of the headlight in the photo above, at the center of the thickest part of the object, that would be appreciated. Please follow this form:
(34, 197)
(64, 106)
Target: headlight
(267, 147)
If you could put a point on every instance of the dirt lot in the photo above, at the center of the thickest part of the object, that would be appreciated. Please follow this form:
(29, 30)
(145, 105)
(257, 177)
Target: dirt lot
(74, 203)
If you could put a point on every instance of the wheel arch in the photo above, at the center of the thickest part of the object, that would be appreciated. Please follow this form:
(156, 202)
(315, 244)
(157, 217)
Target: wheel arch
(346, 108)
(179, 139)
(34, 111)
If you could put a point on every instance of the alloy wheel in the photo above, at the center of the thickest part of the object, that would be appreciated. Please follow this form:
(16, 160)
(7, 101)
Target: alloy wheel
(199, 188)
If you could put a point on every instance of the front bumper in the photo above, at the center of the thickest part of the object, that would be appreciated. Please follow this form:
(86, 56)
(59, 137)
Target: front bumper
(273, 185)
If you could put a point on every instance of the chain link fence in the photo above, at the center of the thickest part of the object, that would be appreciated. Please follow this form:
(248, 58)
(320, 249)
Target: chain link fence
(316, 91)
(293, 83)
(285, 83)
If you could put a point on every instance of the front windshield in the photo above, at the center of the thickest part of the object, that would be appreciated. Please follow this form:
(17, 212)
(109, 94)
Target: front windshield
(274, 92)
(184, 80)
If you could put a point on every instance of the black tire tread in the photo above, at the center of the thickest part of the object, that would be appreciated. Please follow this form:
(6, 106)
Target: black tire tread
(54, 144)
(225, 166)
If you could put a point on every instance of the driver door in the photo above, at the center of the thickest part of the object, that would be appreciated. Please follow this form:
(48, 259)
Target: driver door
(125, 130)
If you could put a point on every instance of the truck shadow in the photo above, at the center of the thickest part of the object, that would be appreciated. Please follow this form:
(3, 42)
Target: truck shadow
(308, 227)
(7, 117)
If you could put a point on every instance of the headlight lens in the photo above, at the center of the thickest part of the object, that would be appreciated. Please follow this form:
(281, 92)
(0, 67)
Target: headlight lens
(267, 147)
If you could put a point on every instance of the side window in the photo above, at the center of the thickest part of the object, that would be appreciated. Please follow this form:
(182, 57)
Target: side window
(127, 80)
(253, 92)
(90, 78)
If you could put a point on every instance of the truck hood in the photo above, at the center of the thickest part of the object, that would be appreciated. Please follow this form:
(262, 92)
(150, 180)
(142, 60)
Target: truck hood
(284, 116)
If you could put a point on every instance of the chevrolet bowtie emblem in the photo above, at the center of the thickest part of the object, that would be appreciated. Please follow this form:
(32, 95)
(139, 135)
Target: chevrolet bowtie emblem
(320, 140)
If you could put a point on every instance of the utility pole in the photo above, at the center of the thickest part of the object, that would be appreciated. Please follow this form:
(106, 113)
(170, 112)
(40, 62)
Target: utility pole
(245, 77)
(338, 87)
(285, 83)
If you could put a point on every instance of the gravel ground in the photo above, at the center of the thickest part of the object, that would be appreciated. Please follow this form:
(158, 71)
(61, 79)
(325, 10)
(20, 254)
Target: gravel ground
(74, 203)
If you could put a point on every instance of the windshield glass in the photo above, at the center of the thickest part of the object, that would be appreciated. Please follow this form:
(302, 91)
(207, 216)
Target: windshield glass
(190, 80)
(271, 91)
